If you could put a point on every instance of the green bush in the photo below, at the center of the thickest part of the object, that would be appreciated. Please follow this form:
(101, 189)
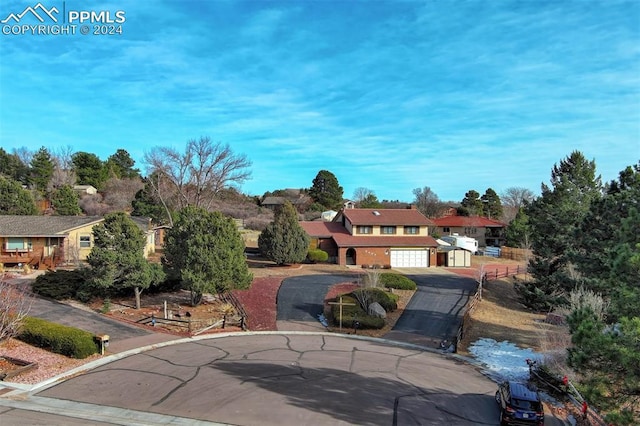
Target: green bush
(388, 301)
(59, 285)
(350, 314)
(397, 281)
(317, 255)
(68, 341)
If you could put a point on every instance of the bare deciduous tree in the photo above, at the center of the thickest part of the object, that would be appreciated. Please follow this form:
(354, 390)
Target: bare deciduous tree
(512, 199)
(14, 306)
(198, 174)
(63, 173)
(427, 202)
(119, 193)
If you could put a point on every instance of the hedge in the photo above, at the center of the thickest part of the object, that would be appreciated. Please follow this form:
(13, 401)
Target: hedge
(317, 255)
(68, 341)
(59, 285)
(397, 281)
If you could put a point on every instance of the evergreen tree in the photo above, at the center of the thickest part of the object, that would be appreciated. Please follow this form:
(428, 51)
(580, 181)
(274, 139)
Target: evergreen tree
(14, 199)
(64, 201)
(13, 168)
(121, 165)
(555, 218)
(89, 169)
(471, 204)
(283, 240)
(518, 233)
(326, 191)
(205, 251)
(146, 204)
(595, 247)
(370, 202)
(41, 170)
(117, 257)
(491, 205)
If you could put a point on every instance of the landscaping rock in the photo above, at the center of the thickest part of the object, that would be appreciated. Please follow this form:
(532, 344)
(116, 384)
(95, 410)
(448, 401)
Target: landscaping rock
(376, 310)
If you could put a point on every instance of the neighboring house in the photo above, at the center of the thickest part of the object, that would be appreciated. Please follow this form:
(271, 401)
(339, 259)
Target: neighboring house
(85, 190)
(487, 231)
(394, 237)
(274, 202)
(51, 241)
(348, 204)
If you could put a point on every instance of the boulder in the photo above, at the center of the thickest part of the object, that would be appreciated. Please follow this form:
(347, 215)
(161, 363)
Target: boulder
(376, 310)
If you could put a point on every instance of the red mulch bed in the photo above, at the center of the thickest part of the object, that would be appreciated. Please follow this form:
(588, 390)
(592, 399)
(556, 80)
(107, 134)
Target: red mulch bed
(338, 289)
(259, 302)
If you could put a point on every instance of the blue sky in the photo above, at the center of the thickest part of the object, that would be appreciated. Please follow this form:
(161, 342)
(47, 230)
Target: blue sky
(387, 95)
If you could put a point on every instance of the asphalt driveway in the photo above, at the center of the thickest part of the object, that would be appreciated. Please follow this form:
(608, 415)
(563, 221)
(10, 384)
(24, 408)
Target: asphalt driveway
(434, 313)
(62, 313)
(301, 298)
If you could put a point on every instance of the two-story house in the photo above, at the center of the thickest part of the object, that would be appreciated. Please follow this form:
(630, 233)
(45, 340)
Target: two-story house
(487, 232)
(393, 237)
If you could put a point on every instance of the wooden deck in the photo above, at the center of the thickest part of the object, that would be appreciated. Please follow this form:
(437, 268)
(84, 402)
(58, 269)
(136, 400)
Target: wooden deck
(35, 259)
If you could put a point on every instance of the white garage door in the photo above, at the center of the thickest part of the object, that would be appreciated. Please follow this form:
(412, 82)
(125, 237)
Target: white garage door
(409, 258)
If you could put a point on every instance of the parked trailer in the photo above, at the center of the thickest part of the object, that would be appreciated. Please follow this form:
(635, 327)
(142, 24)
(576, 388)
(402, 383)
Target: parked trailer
(466, 243)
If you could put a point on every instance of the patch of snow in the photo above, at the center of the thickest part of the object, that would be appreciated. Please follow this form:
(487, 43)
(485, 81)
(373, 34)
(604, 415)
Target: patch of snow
(503, 360)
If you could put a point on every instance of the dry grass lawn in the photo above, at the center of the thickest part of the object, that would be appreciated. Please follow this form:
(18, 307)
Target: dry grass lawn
(500, 316)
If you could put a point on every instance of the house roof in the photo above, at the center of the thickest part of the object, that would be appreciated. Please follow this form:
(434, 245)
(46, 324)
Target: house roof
(276, 201)
(321, 229)
(343, 239)
(468, 221)
(397, 217)
(43, 226)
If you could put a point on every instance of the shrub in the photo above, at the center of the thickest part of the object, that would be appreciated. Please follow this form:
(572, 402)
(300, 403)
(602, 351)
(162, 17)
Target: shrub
(317, 255)
(68, 341)
(388, 301)
(350, 314)
(59, 285)
(397, 281)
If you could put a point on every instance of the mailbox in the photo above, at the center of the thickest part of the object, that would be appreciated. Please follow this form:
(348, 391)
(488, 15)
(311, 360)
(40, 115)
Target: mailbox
(103, 342)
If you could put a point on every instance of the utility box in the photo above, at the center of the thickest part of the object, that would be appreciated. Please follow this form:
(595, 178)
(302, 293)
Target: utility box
(103, 342)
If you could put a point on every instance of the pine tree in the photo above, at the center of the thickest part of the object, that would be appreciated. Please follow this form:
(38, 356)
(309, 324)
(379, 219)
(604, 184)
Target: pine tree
(65, 201)
(41, 170)
(283, 240)
(14, 199)
(471, 203)
(117, 257)
(555, 218)
(491, 205)
(205, 251)
(326, 191)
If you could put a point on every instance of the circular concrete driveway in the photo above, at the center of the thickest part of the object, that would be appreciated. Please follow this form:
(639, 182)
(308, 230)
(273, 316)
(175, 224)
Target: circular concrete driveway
(284, 379)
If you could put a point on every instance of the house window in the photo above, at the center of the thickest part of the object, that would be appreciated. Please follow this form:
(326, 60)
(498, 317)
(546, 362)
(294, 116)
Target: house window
(364, 229)
(446, 229)
(388, 230)
(411, 230)
(15, 243)
(470, 231)
(85, 241)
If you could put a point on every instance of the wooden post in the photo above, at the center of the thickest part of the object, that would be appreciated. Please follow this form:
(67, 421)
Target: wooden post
(341, 304)
(165, 309)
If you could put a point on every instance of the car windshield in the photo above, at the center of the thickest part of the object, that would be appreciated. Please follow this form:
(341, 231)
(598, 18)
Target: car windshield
(522, 404)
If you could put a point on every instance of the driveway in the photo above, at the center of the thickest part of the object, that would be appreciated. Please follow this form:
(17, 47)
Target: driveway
(300, 300)
(435, 311)
(62, 313)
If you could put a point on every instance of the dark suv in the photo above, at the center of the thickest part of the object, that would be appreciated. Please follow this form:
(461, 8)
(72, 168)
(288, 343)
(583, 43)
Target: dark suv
(519, 405)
